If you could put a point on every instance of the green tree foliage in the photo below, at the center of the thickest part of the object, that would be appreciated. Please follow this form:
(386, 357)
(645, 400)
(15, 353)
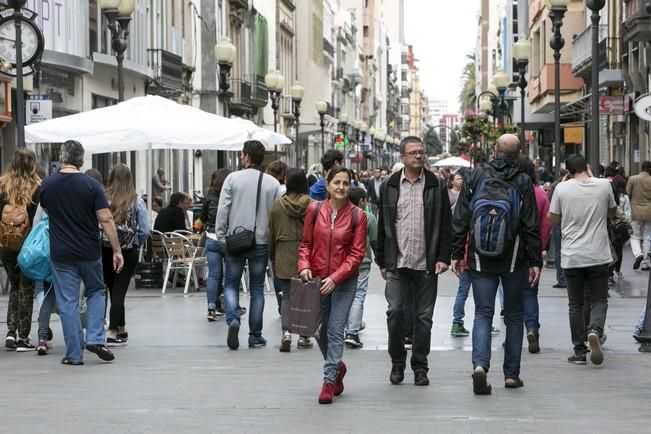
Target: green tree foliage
(467, 96)
(433, 145)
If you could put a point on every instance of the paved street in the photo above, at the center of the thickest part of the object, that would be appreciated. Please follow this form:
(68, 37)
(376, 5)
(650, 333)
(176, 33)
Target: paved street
(177, 375)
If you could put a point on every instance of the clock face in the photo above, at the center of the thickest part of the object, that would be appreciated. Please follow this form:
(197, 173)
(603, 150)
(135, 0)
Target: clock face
(30, 41)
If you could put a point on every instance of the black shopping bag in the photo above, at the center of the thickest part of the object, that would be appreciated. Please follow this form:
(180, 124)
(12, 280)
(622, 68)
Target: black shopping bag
(305, 307)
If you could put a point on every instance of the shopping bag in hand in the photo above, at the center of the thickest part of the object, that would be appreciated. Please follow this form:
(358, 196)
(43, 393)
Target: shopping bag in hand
(305, 307)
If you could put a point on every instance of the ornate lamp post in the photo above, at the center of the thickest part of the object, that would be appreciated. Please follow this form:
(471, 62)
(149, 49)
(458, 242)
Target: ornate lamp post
(556, 14)
(297, 91)
(593, 156)
(363, 129)
(522, 54)
(321, 108)
(274, 81)
(501, 80)
(225, 53)
(118, 13)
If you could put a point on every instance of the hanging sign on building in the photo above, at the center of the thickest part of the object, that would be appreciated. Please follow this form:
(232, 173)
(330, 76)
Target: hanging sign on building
(37, 108)
(643, 107)
(612, 105)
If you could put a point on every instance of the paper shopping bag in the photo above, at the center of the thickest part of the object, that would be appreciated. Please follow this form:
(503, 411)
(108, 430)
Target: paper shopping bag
(305, 307)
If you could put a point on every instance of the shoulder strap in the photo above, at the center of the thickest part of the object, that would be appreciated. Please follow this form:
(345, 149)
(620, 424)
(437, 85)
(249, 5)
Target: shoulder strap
(257, 201)
(316, 212)
(355, 212)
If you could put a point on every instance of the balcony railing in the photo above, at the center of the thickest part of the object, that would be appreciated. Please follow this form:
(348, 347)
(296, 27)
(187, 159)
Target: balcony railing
(167, 70)
(607, 54)
(582, 48)
(328, 47)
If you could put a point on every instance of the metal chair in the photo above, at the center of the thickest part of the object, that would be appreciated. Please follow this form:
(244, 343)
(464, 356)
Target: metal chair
(182, 255)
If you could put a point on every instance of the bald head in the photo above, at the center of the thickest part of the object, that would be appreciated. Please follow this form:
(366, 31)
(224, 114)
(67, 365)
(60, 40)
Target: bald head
(508, 146)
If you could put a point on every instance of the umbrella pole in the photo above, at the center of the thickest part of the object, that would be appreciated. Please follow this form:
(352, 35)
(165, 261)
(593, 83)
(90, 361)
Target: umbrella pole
(149, 176)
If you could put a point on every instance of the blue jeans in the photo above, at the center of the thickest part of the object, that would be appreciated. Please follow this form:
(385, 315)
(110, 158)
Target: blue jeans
(560, 275)
(67, 278)
(334, 315)
(640, 323)
(45, 312)
(484, 290)
(357, 308)
(257, 259)
(462, 295)
(215, 252)
(530, 307)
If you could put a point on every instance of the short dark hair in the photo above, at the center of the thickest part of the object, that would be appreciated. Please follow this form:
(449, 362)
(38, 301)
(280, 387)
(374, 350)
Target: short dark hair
(330, 158)
(278, 169)
(334, 172)
(296, 181)
(527, 167)
(255, 150)
(72, 152)
(576, 163)
(95, 174)
(409, 139)
(646, 166)
(177, 198)
(356, 195)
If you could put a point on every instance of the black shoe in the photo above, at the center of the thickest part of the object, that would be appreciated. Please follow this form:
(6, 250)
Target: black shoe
(353, 341)
(124, 337)
(560, 285)
(596, 354)
(397, 374)
(480, 384)
(67, 361)
(233, 339)
(115, 342)
(420, 378)
(101, 351)
(578, 359)
(24, 345)
(638, 261)
(534, 341)
(211, 315)
(10, 341)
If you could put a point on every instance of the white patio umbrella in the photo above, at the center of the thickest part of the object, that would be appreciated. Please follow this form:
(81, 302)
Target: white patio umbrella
(452, 162)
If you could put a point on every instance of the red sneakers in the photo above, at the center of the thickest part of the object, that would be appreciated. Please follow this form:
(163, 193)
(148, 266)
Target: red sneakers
(327, 393)
(339, 384)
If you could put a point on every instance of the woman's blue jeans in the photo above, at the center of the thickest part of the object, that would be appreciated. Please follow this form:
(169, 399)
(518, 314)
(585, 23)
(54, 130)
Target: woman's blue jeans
(215, 252)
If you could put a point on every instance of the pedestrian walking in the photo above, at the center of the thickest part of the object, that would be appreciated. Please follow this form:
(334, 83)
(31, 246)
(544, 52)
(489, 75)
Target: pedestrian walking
(77, 206)
(373, 189)
(455, 182)
(286, 221)
(18, 202)
(278, 169)
(413, 248)
(132, 225)
(581, 204)
(331, 159)
(332, 249)
(639, 191)
(234, 216)
(496, 215)
(531, 308)
(215, 249)
(357, 197)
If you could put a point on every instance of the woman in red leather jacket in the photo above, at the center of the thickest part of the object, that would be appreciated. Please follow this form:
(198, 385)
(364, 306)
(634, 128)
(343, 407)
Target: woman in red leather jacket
(333, 246)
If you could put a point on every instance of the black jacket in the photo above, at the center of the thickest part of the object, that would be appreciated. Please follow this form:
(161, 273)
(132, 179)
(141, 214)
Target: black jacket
(170, 219)
(209, 211)
(438, 232)
(529, 252)
(370, 191)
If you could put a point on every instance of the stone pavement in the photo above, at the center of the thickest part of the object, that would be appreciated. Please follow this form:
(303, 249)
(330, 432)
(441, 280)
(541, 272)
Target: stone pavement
(177, 375)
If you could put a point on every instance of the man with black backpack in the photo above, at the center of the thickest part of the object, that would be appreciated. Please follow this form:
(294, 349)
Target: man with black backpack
(496, 214)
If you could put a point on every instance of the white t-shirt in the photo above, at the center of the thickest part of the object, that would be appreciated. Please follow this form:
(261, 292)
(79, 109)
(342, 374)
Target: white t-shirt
(583, 207)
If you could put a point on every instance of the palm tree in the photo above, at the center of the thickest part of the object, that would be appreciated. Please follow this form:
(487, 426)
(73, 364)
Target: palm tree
(467, 96)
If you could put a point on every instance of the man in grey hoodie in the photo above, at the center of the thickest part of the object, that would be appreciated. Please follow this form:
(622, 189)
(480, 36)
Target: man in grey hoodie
(236, 211)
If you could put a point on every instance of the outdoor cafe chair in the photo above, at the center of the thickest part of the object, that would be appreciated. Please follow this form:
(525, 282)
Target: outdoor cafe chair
(183, 255)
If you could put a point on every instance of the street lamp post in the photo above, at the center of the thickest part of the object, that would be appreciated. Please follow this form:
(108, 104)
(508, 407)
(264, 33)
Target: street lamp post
(118, 13)
(297, 93)
(522, 54)
(225, 53)
(501, 80)
(20, 97)
(363, 130)
(321, 108)
(274, 81)
(556, 14)
(593, 156)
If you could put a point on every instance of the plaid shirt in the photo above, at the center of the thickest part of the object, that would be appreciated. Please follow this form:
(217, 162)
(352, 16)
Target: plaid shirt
(410, 224)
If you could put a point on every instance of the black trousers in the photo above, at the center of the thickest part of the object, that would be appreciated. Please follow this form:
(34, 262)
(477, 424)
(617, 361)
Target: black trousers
(422, 287)
(593, 281)
(118, 283)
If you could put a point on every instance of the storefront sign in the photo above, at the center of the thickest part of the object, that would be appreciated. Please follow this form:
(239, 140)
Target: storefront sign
(37, 109)
(573, 135)
(612, 105)
(643, 107)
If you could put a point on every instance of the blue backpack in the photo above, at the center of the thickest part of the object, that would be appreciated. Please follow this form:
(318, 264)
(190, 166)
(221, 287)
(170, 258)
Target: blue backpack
(34, 256)
(494, 225)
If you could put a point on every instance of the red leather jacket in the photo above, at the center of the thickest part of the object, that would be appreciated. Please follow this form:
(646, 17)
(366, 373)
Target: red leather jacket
(332, 250)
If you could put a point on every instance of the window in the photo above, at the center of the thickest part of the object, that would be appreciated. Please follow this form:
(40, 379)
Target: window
(365, 31)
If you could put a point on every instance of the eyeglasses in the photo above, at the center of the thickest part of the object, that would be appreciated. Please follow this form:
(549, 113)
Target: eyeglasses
(414, 153)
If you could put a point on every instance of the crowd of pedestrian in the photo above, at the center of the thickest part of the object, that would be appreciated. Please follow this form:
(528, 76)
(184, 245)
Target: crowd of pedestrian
(492, 224)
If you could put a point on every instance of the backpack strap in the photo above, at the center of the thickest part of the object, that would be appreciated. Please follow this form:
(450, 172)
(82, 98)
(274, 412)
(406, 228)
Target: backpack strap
(316, 212)
(355, 217)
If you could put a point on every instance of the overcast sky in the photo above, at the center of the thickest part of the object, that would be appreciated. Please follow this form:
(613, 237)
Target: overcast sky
(442, 33)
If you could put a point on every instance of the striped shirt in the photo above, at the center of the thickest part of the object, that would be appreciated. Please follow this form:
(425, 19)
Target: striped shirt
(410, 224)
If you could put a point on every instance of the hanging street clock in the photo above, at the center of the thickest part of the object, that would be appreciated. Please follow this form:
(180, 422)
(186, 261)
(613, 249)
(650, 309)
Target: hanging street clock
(32, 40)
